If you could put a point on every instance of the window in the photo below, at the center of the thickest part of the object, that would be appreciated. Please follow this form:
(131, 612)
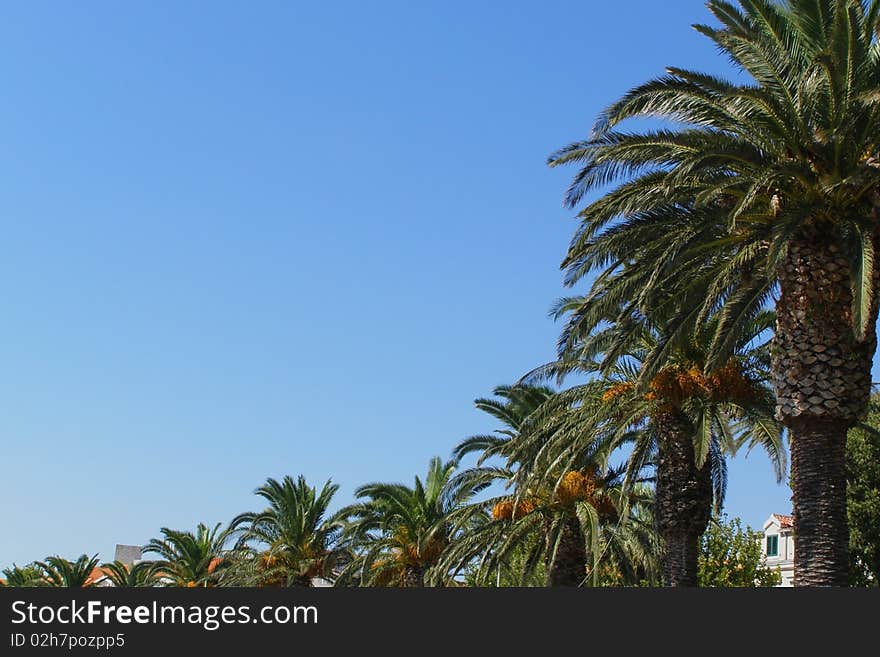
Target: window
(773, 545)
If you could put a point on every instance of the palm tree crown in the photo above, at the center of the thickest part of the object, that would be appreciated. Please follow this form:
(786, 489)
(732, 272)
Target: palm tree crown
(562, 528)
(30, 575)
(400, 532)
(190, 559)
(60, 572)
(138, 575)
(292, 541)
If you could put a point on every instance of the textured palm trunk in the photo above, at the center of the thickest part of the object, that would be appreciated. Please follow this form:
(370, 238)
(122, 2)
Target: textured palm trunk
(822, 378)
(414, 577)
(683, 499)
(569, 568)
(681, 552)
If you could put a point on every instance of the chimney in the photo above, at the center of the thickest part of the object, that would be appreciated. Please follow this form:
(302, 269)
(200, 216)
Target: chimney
(128, 554)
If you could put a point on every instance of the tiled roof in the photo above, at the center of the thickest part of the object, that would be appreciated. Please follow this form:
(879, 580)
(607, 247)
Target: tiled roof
(97, 575)
(785, 522)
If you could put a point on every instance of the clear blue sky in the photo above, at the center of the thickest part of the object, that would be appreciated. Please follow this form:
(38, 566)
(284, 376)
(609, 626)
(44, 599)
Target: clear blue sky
(243, 240)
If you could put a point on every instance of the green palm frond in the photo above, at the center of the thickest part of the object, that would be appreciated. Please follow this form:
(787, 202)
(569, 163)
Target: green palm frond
(292, 541)
(190, 558)
(397, 533)
(59, 572)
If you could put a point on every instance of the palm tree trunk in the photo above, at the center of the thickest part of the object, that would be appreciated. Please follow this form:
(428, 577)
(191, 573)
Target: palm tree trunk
(569, 567)
(818, 475)
(822, 377)
(681, 553)
(683, 503)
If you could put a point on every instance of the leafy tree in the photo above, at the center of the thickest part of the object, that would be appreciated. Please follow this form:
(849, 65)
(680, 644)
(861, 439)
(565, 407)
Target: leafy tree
(759, 192)
(730, 556)
(399, 532)
(291, 542)
(863, 499)
(59, 572)
(190, 559)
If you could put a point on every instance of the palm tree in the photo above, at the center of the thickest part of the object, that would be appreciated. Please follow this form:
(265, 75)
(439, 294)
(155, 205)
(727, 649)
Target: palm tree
(59, 572)
(583, 532)
(682, 425)
(399, 532)
(190, 559)
(760, 191)
(139, 575)
(23, 576)
(555, 529)
(291, 542)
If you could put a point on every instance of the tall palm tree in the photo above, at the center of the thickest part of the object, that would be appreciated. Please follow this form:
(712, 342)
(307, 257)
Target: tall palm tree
(400, 532)
(763, 191)
(291, 542)
(682, 425)
(139, 575)
(190, 559)
(555, 528)
(58, 571)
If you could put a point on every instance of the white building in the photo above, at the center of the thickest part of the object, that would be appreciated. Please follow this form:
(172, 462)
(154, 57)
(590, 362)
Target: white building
(778, 546)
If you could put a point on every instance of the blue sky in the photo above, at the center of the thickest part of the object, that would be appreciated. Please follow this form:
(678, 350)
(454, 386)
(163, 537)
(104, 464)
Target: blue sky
(249, 240)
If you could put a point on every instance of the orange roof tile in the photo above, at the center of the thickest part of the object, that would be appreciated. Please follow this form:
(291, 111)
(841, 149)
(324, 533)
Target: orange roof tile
(97, 575)
(785, 522)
